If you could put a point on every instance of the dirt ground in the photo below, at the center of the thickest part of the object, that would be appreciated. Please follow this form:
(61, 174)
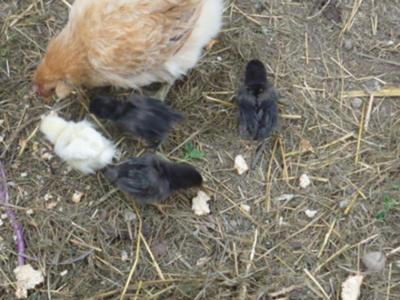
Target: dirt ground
(348, 145)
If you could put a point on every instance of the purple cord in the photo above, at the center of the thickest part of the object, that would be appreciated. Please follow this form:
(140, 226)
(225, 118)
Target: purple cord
(4, 197)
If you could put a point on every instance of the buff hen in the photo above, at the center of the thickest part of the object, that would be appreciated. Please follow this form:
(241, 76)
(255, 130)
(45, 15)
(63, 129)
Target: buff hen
(127, 43)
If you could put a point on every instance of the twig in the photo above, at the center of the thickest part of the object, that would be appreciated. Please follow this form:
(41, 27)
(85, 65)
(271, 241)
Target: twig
(160, 274)
(326, 239)
(19, 231)
(284, 291)
(135, 263)
(386, 92)
(389, 280)
(352, 16)
(243, 292)
(285, 167)
(360, 133)
(340, 251)
(317, 284)
(268, 179)
(368, 114)
(258, 154)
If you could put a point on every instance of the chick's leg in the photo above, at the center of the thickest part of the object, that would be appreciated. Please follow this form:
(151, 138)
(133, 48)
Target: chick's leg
(163, 91)
(160, 207)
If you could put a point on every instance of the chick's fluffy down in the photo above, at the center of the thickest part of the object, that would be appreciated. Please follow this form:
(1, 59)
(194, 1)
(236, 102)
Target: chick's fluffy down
(78, 143)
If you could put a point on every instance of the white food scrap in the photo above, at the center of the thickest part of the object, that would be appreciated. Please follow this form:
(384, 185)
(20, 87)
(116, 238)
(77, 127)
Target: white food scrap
(310, 213)
(284, 197)
(245, 207)
(51, 205)
(241, 165)
(200, 205)
(77, 197)
(351, 287)
(47, 197)
(27, 278)
(304, 181)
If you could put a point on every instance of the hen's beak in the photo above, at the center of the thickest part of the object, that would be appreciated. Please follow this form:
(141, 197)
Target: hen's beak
(47, 95)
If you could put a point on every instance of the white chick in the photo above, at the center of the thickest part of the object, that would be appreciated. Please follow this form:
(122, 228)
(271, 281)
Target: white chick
(78, 143)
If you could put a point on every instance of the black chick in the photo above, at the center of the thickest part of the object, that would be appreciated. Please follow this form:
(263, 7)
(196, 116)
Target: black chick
(143, 116)
(151, 179)
(257, 101)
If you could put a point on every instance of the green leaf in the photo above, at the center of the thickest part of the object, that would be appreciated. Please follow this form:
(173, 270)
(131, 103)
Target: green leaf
(192, 153)
(388, 204)
(397, 186)
(381, 215)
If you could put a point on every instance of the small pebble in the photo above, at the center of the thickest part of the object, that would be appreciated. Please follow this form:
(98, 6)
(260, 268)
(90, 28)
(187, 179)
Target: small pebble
(372, 85)
(374, 261)
(356, 103)
(343, 203)
(348, 44)
(124, 255)
(296, 245)
(129, 216)
(1, 222)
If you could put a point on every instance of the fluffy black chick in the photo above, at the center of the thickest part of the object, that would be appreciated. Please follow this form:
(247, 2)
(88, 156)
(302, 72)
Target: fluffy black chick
(144, 117)
(257, 101)
(151, 179)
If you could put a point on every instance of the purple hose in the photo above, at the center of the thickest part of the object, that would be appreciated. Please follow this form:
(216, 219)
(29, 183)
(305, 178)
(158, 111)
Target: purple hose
(4, 197)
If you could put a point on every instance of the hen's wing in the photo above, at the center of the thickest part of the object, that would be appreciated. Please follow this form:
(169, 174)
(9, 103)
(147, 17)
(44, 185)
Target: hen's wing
(132, 37)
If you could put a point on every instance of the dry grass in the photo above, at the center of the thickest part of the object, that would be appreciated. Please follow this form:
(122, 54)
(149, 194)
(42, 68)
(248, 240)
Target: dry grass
(273, 252)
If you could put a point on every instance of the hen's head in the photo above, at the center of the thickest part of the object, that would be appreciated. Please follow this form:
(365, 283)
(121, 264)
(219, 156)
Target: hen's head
(55, 73)
(48, 81)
